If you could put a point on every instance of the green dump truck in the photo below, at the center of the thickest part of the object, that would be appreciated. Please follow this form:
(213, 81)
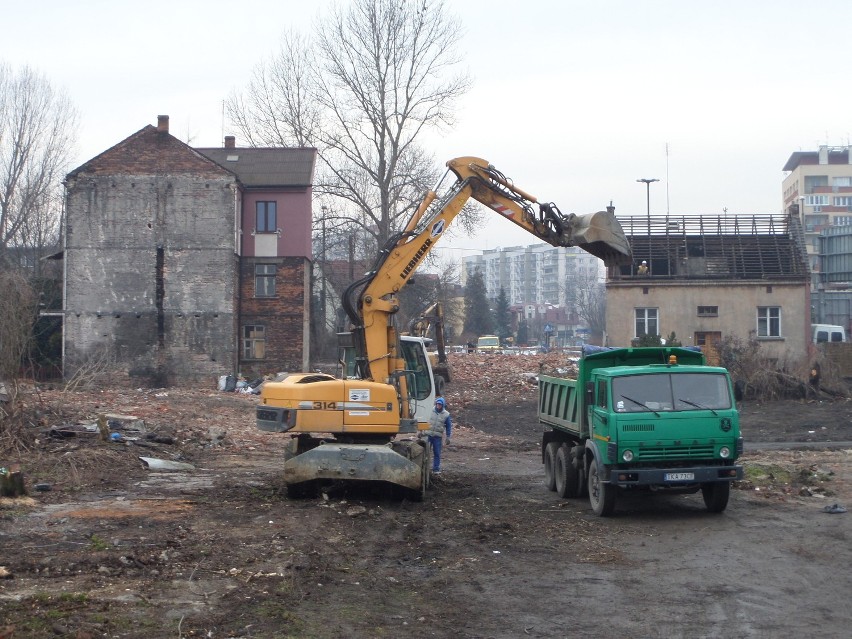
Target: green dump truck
(654, 418)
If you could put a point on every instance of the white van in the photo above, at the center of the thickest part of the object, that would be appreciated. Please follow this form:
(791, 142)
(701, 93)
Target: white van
(828, 333)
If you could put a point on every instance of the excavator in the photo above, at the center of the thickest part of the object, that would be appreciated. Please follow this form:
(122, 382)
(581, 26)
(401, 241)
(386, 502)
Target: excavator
(365, 426)
(431, 319)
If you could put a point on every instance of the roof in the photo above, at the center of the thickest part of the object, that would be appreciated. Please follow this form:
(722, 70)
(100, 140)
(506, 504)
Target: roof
(835, 156)
(717, 247)
(268, 167)
(150, 151)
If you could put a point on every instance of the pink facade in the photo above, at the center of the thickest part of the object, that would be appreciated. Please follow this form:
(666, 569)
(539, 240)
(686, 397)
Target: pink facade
(293, 220)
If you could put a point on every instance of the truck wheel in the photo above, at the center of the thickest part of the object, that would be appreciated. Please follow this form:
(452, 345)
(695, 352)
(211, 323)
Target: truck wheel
(577, 454)
(550, 465)
(716, 495)
(566, 478)
(601, 495)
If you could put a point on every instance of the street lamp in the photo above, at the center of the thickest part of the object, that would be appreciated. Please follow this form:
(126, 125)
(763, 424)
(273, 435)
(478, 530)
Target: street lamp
(647, 182)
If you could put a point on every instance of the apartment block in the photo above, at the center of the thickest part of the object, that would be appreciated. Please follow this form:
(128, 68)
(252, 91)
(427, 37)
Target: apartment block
(819, 185)
(533, 274)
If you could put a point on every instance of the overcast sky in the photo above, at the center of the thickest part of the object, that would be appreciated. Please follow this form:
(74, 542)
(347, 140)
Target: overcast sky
(574, 100)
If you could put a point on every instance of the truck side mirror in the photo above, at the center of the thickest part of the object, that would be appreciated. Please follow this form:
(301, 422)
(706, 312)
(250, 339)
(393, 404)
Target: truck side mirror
(590, 393)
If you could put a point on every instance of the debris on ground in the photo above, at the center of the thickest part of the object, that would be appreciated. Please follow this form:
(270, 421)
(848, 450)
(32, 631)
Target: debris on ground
(834, 509)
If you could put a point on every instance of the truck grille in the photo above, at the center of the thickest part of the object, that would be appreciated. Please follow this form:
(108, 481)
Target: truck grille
(645, 453)
(637, 428)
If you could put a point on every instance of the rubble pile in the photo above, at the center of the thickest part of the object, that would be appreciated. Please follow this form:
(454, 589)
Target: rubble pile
(503, 379)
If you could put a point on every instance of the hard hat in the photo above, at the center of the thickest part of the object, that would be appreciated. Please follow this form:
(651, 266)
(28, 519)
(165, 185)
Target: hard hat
(644, 262)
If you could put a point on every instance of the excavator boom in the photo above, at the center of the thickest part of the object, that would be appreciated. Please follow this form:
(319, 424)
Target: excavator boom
(598, 233)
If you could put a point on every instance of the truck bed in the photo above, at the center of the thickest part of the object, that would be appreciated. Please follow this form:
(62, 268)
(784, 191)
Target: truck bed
(560, 405)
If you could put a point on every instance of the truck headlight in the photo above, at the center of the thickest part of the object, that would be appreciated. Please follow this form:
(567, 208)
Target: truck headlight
(724, 452)
(627, 455)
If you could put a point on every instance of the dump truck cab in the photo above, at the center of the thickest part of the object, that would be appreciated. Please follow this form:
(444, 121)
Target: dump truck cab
(655, 418)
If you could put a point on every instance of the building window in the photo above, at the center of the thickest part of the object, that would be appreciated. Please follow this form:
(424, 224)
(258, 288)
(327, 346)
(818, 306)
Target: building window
(267, 217)
(769, 321)
(264, 280)
(646, 322)
(254, 342)
(843, 200)
(816, 200)
(708, 311)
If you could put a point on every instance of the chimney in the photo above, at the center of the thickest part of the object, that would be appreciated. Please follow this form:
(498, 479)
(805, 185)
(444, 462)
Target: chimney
(230, 142)
(823, 154)
(162, 124)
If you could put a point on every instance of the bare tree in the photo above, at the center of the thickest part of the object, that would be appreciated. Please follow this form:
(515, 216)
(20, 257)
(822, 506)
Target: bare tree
(17, 314)
(585, 293)
(373, 77)
(37, 131)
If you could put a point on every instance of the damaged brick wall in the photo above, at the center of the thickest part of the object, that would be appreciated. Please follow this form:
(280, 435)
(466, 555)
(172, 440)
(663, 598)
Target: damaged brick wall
(284, 316)
(151, 274)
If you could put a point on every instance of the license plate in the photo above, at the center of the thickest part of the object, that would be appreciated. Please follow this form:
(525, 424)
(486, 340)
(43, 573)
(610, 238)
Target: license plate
(679, 476)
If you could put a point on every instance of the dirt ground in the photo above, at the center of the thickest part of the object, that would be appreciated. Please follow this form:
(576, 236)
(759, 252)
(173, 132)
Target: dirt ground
(105, 546)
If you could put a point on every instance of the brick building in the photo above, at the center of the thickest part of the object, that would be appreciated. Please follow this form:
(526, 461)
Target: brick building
(183, 264)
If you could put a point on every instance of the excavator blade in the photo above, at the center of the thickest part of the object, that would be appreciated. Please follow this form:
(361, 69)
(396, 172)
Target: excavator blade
(601, 235)
(351, 462)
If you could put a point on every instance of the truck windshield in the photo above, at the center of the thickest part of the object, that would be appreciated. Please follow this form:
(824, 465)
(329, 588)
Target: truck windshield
(488, 341)
(671, 392)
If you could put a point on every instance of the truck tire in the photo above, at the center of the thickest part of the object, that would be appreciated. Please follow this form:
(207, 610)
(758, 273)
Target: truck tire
(716, 495)
(566, 477)
(550, 465)
(577, 461)
(601, 495)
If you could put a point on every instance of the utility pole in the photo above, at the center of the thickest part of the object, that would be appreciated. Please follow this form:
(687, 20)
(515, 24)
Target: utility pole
(322, 303)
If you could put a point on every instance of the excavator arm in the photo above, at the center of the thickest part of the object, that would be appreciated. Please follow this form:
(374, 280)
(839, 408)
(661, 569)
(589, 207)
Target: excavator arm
(372, 310)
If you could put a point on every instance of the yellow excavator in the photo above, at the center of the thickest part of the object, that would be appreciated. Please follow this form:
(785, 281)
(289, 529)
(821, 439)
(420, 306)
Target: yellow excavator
(365, 425)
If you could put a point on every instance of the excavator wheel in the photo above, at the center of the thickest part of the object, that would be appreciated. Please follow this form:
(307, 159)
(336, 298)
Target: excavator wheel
(439, 386)
(302, 490)
(425, 473)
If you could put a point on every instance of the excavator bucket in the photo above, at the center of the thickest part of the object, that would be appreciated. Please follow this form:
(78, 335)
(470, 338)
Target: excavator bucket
(601, 235)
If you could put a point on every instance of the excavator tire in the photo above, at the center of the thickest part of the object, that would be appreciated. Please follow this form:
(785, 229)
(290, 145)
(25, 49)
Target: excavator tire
(439, 386)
